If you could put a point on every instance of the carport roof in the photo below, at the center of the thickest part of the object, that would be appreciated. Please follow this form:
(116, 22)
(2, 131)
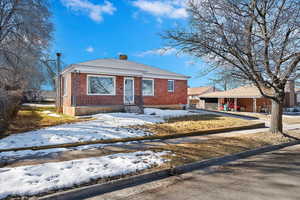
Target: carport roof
(248, 91)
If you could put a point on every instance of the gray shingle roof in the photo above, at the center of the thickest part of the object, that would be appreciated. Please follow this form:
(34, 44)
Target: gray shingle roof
(127, 65)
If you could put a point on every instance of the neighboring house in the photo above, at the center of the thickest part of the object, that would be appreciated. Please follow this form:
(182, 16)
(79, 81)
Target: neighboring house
(297, 90)
(48, 96)
(106, 85)
(39, 96)
(247, 98)
(194, 94)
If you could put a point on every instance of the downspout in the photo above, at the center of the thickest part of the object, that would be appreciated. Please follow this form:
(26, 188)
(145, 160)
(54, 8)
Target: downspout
(58, 88)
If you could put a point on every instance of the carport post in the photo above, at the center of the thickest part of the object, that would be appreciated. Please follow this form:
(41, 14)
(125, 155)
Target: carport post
(254, 105)
(235, 104)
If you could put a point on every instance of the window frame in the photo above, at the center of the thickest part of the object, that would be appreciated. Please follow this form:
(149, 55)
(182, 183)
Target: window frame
(153, 92)
(173, 84)
(99, 94)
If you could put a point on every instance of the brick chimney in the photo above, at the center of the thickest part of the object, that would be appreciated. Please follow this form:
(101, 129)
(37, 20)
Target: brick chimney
(123, 57)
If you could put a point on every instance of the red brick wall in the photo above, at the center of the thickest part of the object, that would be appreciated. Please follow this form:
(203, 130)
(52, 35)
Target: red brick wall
(163, 97)
(161, 94)
(82, 99)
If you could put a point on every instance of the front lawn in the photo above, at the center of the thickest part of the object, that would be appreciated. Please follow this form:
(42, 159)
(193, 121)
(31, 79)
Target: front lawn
(193, 123)
(196, 150)
(33, 118)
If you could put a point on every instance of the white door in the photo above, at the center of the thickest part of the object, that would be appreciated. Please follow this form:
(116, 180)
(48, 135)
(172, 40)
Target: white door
(128, 91)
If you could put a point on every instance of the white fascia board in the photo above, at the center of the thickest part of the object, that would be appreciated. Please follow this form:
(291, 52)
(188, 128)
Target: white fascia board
(68, 69)
(107, 70)
(121, 72)
(163, 76)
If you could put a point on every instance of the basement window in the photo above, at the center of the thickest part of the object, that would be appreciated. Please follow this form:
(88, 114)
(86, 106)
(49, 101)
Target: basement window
(101, 85)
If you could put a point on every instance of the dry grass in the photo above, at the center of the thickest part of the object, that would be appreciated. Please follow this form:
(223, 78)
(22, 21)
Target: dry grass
(193, 123)
(195, 151)
(32, 118)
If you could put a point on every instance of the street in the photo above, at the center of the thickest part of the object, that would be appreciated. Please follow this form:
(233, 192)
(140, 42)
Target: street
(273, 175)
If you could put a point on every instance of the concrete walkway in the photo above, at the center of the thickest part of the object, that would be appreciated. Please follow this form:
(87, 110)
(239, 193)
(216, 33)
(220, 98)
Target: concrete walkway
(269, 176)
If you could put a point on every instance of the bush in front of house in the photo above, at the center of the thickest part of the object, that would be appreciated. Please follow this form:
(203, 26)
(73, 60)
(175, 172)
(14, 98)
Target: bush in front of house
(9, 106)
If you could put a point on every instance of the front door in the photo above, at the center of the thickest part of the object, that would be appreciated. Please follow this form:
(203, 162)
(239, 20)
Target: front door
(128, 91)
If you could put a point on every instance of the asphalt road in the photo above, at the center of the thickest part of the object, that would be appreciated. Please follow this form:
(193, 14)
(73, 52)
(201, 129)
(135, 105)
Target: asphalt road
(269, 176)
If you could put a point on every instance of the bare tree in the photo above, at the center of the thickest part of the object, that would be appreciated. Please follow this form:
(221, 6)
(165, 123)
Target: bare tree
(25, 32)
(259, 39)
(224, 80)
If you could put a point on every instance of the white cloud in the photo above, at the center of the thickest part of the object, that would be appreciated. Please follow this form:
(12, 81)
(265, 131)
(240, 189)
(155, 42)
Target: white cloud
(190, 63)
(173, 9)
(166, 51)
(90, 49)
(94, 11)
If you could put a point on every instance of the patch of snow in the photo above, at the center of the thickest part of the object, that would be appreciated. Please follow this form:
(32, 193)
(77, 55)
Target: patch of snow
(167, 113)
(46, 112)
(105, 126)
(35, 179)
(38, 105)
(51, 114)
(54, 115)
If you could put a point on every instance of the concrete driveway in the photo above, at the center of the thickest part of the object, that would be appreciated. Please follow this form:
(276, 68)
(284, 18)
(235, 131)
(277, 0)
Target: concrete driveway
(269, 176)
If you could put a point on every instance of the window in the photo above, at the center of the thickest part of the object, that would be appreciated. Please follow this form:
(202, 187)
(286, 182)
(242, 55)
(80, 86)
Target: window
(101, 85)
(170, 85)
(148, 87)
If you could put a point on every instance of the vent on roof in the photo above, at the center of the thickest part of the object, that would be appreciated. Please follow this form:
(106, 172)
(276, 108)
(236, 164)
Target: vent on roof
(123, 57)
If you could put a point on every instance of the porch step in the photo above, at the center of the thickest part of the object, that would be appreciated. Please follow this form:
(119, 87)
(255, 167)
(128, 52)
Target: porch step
(133, 109)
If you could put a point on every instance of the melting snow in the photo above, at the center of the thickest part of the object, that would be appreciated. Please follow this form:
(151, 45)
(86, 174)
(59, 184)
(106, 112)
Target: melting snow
(35, 179)
(106, 126)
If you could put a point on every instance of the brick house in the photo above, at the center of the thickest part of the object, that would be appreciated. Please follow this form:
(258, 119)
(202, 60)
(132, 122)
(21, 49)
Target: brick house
(247, 99)
(297, 96)
(194, 93)
(107, 85)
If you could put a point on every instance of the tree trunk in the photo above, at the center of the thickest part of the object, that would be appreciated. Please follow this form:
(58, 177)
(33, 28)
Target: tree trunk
(276, 118)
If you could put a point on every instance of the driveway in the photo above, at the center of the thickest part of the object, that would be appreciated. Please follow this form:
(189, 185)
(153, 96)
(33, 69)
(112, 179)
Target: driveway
(269, 176)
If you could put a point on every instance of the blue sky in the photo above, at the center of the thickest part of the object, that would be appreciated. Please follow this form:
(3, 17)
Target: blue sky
(92, 29)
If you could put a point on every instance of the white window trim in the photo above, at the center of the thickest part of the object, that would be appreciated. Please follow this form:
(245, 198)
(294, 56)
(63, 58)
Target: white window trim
(173, 83)
(153, 92)
(99, 94)
(129, 78)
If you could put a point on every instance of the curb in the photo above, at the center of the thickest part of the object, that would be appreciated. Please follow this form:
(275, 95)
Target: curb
(98, 189)
(133, 139)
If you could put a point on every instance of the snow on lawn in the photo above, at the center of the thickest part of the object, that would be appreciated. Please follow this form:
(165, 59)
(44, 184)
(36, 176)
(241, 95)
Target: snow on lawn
(35, 179)
(106, 126)
(167, 113)
(51, 114)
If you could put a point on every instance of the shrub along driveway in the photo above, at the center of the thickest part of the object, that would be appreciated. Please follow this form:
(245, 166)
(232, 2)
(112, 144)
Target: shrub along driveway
(273, 175)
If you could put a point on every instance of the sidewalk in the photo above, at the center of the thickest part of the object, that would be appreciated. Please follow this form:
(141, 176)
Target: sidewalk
(20, 158)
(269, 176)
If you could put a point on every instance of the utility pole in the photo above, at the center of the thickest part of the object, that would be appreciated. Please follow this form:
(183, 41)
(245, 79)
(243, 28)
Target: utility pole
(58, 82)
